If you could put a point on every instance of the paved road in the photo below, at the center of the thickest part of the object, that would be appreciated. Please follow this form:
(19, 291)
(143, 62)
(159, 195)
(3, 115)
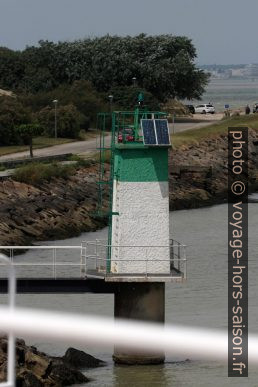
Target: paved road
(91, 145)
(182, 126)
(72, 147)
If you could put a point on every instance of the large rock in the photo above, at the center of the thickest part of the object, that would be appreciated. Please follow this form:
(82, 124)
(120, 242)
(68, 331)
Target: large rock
(63, 375)
(28, 379)
(38, 364)
(80, 359)
(36, 369)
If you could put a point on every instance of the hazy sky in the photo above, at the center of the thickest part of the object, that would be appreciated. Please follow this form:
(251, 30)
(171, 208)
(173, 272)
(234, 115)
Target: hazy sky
(223, 31)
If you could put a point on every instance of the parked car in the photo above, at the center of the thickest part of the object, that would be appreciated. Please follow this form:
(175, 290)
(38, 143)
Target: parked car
(125, 135)
(190, 108)
(255, 108)
(205, 108)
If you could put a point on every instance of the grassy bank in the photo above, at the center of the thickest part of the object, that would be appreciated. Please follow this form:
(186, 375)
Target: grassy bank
(93, 158)
(194, 136)
(38, 173)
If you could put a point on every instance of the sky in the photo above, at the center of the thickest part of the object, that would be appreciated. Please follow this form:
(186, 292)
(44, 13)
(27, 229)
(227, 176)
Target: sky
(223, 31)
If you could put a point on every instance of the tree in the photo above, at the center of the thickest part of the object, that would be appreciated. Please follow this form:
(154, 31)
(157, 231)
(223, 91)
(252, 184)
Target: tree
(163, 65)
(26, 132)
(68, 124)
(81, 94)
(12, 114)
(126, 97)
(11, 69)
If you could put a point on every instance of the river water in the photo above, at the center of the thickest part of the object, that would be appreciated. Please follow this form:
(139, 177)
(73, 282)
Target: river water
(233, 92)
(201, 302)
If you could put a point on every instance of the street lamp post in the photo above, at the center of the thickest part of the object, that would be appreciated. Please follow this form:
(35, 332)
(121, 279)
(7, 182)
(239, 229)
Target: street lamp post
(134, 79)
(111, 97)
(55, 103)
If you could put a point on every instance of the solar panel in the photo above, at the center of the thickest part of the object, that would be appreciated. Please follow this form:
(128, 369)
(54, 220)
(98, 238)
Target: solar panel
(148, 130)
(162, 132)
(155, 132)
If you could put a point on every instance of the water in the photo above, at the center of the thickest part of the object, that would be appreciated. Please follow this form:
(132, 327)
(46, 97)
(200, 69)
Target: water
(234, 92)
(201, 301)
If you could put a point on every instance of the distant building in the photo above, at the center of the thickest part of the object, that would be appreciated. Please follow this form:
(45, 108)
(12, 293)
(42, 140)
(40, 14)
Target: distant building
(228, 73)
(251, 70)
(238, 72)
(232, 71)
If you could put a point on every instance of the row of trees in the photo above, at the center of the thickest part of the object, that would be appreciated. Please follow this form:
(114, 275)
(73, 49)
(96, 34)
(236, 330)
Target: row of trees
(82, 74)
(78, 105)
(18, 124)
(163, 65)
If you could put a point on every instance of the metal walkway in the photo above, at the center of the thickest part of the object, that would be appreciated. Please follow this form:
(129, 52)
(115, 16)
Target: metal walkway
(59, 286)
(85, 268)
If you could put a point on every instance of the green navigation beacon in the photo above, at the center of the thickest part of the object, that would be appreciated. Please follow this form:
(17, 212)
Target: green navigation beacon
(138, 190)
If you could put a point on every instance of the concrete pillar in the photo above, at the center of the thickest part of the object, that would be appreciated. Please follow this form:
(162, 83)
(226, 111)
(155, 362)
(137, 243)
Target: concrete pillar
(139, 301)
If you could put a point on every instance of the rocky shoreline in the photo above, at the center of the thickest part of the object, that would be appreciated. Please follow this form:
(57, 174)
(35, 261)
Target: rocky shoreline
(57, 209)
(199, 174)
(61, 208)
(37, 369)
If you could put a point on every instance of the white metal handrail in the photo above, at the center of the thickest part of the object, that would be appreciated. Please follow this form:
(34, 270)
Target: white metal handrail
(11, 339)
(108, 245)
(98, 251)
(46, 247)
(43, 264)
(53, 264)
(146, 273)
(177, 261)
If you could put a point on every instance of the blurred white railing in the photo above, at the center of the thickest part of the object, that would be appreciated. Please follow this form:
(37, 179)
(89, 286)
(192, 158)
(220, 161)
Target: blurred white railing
(11, 339)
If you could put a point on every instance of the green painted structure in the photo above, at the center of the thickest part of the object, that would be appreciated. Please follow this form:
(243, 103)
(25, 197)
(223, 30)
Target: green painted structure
(130, 160)
(136, 163)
